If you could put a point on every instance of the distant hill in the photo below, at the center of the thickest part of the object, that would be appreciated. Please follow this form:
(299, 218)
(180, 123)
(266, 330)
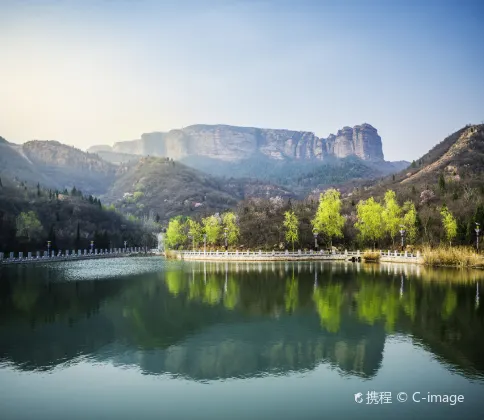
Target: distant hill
(55, 165)
(168, 188)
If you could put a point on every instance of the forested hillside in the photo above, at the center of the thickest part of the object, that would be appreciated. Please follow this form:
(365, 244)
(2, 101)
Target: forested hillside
(167, 188)
(31, 215)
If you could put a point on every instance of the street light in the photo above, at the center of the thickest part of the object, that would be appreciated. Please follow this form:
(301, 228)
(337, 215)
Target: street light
(125, 243)
(226, 241)
(48, 248)
(478, 230)
(92, 246)
(316, 241)
(402, 233)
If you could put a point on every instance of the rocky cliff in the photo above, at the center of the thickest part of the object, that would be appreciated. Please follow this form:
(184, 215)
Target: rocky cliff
(230, 143)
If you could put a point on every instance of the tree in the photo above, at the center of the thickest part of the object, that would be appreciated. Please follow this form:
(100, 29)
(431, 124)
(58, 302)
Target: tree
(230, 223)
(292, 226)
(328, 219)
(195, 230)
(392, 214)
(370, 220)
(212, 228)
(450, 224)
(29, 225)
(442, 183)
(175, 233)
(409, 220)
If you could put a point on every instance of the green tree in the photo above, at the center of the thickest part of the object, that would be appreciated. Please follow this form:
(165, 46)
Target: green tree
(328, 219)
(28, 225)
(370, 220)
(195, 230)
(450, 224)
(409, 220)
(392, 215)
(175, 233)
(230, 223)
(442, 185)
(292, 227)
(212, 228)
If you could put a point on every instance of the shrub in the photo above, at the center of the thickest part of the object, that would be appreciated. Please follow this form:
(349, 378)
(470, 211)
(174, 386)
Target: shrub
(371, 256)
(452, 257)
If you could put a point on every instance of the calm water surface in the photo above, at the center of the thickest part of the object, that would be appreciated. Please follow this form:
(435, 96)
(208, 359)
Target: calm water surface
(141, 338)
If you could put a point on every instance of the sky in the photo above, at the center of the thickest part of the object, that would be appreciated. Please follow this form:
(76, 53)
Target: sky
(90, 72)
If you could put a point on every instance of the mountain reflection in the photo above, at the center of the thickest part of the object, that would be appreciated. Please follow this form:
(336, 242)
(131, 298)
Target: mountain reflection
(209, 321)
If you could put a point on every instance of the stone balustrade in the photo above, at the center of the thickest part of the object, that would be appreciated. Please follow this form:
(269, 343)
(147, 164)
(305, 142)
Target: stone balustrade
(290, 256)
(66, 255)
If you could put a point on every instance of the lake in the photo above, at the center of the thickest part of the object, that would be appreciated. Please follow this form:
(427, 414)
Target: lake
(145, 338)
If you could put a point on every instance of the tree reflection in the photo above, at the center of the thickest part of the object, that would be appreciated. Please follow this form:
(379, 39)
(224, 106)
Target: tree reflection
(208, 320)
(328, 299)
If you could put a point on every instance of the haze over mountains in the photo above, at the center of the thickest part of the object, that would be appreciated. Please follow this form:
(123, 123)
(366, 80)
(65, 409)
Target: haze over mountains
(205, 168)
(231, 143)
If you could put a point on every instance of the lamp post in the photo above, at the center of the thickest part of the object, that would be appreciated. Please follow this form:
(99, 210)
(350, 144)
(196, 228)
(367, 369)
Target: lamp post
(125, 243)
(478, 230)
(92, 247)
(316, 241)
(204, 243)
(48, 248)
(226, 241)
(402, 233)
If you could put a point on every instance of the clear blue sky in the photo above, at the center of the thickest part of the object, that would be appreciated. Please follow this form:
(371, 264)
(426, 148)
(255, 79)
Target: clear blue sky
(95, 72)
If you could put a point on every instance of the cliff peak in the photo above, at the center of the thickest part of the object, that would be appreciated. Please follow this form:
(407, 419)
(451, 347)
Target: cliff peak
(233, 143)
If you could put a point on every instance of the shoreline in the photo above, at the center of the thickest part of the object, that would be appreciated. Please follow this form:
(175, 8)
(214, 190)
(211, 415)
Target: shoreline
(351, 256)
(73, 257)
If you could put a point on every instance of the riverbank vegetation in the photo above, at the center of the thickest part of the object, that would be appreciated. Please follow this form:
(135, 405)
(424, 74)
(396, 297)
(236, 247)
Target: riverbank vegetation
(278, 224)
(464, 257)
(371, 256)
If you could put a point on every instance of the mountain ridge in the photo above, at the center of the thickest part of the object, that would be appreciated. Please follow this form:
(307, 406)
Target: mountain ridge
(234, 143)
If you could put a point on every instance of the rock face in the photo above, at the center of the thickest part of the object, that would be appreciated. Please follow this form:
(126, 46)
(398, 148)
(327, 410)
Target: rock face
(230, 143)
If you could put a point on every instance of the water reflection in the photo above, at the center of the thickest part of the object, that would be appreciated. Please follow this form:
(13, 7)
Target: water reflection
(209, 320)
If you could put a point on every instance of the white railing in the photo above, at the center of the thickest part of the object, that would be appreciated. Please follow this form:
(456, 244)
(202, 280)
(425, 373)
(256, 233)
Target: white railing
(22, 257)
(290, 254)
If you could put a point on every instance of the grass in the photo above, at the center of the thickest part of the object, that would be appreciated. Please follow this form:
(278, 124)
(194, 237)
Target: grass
(371, 256)
(170, 254)
(452, 257)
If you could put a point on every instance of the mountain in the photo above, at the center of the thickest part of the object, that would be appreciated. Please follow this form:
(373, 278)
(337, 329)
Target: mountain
(457, 161)
(231, 143)
(297, 160)
(55, 165)
(168, 188)
(451, 174)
